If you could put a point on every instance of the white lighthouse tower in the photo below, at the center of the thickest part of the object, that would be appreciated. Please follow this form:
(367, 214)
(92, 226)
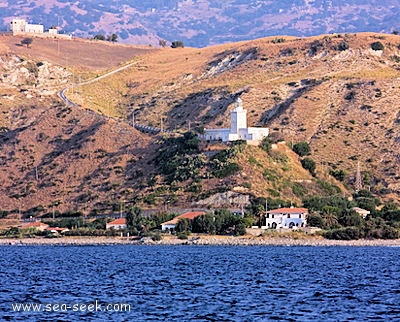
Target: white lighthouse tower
(238, 118)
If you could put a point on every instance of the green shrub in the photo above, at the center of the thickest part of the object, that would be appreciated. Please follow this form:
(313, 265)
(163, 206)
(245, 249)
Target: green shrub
(348, 233)
(377, 45)
(227, 170)
(182, 235)
(266, 145)
(156, 236)
(343, 46)
(315, 220)
(309, 164)
(240, 229)
(338, 174)
(298, 189)
(177, 44)
(278, 40)
(302, 149)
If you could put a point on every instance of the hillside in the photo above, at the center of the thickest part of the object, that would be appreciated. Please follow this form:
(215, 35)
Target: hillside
(206, 22)
(339, 98)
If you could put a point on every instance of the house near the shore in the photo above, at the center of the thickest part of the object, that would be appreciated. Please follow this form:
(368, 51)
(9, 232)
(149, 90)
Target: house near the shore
(362, 212)
(117, 224)
(291, 218)
(57, 230)
(238, 129)
(170, 225)
(35, 225)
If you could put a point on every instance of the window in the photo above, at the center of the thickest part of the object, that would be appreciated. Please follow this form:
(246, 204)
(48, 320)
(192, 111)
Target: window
(267, 216)
(300, 216)
(288, 215)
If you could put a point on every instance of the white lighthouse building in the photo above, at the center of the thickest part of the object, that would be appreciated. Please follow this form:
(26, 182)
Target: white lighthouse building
(238, 129)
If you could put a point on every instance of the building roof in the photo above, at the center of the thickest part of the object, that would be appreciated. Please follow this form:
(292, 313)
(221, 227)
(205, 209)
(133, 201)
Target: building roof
(360, 210)
(290, 210)
(119, 221)
(188, 215)
(57, 229)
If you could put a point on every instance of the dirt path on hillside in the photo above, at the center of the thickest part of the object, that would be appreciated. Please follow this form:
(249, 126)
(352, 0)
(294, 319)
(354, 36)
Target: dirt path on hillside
(62, 94)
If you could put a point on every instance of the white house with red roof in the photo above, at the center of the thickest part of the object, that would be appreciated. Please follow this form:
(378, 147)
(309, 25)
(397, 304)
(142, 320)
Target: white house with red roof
(170, 225)
(117, 224)
(291, 218)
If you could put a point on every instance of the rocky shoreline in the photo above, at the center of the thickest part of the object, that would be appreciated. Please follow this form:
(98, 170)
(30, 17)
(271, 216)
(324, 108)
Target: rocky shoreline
(198, 240)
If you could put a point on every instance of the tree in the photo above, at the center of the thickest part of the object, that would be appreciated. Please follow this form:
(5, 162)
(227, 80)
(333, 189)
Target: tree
(343, 46)
(99, 37)
(315, 220)
(177, 44)
(302, 149)
(27, 42)
(377, 45)
(330, 216)
(351, 218)
(338, 174)
(134, 218)
(309, 164)
(240, 229)
(204, 224)
(183, 225)
(112, 38)
(162, 43)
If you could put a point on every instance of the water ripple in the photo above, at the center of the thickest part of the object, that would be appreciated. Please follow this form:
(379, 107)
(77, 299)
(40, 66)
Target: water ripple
(204, 283)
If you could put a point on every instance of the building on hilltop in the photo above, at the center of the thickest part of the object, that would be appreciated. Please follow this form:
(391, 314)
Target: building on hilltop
(238, 129)
(21, 27)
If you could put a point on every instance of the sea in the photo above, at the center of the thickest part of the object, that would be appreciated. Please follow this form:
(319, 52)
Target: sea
(199, 283)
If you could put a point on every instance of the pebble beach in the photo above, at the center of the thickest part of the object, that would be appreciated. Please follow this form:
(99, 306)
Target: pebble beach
(199, 240)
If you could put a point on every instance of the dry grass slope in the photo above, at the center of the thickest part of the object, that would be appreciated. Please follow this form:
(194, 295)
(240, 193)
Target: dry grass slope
(343, 102)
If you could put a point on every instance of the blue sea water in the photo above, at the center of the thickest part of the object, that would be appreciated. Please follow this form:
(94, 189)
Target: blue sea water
(201, 283)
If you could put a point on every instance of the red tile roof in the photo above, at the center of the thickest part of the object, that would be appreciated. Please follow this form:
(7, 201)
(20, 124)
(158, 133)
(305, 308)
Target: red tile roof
(188, 215)
(119, 221)
(191, 215)
(288, 210)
